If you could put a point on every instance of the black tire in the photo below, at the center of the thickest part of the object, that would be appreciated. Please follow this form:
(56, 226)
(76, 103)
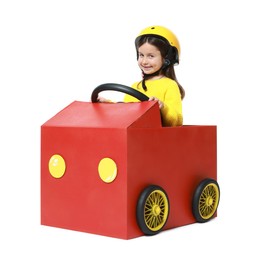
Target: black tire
(117, 87)
(205, 200)
(152, 210)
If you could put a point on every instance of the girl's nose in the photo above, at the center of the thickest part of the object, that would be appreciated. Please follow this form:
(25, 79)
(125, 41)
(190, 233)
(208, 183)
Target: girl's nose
(144, 60)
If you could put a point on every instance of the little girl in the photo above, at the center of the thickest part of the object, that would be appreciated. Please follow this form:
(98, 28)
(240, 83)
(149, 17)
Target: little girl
(158, 50)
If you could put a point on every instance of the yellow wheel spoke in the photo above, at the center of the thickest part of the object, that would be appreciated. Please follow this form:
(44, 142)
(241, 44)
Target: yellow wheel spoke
(209, 201)
(156, 210)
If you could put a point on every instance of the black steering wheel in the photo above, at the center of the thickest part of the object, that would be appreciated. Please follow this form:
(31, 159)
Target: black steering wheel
(118, 87)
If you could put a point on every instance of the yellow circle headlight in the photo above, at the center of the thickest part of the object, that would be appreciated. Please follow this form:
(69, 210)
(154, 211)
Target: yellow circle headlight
(57, 166)
(107, 170)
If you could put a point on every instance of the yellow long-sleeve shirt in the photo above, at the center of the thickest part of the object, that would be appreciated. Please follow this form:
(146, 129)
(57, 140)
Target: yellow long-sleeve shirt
(166, 90)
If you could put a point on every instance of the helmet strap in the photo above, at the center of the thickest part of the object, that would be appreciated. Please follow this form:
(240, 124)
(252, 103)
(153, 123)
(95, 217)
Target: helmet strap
(147, 76)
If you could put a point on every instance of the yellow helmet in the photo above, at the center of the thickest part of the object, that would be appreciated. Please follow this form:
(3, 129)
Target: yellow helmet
(165, 33)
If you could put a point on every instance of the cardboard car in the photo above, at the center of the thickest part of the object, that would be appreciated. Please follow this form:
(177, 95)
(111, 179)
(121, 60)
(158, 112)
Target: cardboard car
(112, 169)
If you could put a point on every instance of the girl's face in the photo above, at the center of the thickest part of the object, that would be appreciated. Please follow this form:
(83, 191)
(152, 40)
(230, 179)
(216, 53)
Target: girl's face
(149, 58)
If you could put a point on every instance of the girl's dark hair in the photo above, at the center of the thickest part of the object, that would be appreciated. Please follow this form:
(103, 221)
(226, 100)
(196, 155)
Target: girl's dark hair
(169, 54)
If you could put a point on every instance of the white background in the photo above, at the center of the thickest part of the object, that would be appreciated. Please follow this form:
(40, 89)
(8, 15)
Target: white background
(54, 52)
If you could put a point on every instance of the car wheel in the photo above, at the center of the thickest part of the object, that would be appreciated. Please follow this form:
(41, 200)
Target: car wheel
(205, 200)
(152, 210)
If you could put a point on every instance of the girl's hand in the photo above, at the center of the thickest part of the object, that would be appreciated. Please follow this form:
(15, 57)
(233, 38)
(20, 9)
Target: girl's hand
(161, 105)
(103, 100)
